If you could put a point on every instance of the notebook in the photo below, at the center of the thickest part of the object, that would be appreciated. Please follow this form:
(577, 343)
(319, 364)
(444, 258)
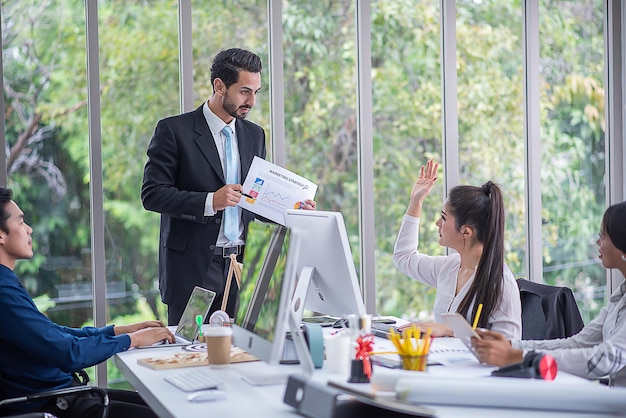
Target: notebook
(187, 330)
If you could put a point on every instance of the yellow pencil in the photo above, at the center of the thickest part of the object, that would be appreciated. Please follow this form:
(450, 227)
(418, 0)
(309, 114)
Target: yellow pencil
(421, 347)
(413, 334)
(406, 342)
(428, 341)
(396, 342)
(477, 317)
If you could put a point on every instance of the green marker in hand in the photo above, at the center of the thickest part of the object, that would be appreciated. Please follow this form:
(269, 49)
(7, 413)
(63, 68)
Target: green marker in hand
(199, 322)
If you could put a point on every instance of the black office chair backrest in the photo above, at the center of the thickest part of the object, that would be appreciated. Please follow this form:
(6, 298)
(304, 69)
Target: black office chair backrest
(72, 390)
(548, 312)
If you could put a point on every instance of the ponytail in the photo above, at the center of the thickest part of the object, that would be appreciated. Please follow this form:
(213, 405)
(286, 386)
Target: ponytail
(482, 208)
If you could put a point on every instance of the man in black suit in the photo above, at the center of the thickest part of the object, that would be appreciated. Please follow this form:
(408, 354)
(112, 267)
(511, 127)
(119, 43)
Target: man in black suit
(185, 182)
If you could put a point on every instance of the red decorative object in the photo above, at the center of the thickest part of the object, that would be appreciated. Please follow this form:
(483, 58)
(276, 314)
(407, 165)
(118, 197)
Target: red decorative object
(364, 346)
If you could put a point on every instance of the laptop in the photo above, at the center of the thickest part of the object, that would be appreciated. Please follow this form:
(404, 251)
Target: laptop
(187, 330)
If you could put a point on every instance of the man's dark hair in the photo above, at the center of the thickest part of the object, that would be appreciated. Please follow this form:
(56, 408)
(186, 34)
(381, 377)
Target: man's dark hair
(6, 196)
(227, 64)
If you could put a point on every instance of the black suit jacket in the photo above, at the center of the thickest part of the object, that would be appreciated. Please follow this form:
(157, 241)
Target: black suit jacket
(548, 312)
(183, 166)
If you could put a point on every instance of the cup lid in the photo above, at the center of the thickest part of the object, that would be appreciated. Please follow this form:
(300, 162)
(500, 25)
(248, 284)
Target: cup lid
(218, 331)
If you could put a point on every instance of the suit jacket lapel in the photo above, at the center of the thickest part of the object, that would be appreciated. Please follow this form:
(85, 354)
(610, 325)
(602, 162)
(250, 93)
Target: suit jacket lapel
(206, 143)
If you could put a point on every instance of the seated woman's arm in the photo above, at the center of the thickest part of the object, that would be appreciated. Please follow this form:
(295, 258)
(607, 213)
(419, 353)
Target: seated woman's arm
(586, 354)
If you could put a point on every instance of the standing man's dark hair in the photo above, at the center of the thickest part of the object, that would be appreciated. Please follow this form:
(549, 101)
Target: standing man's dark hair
(229, 62)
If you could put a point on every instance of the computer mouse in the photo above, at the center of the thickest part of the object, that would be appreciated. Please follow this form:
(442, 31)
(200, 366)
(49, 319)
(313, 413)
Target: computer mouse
(206, 395)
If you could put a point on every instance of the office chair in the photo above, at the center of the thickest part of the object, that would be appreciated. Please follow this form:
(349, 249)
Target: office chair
(43, 396)
(548, 312)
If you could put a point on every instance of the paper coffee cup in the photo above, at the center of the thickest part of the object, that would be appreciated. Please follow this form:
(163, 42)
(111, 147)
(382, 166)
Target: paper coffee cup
(218, 343)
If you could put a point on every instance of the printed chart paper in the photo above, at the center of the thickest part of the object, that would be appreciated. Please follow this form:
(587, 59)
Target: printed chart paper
(269, 190)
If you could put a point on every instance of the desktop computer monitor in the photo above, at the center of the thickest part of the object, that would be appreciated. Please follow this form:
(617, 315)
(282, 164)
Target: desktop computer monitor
(265, 292)
(322, 257)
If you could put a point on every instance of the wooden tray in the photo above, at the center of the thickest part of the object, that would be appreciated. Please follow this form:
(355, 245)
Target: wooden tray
(186, 359)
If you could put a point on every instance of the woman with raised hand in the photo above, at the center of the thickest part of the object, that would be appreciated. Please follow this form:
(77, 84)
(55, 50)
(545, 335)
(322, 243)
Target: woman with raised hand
(472, 224)
(599, 349)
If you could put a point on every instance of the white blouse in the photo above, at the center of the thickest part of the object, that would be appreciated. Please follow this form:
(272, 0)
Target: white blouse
(441, 272)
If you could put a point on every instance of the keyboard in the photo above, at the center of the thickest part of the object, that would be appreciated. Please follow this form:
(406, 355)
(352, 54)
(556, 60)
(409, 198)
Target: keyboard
(177, 341)
(194, 380)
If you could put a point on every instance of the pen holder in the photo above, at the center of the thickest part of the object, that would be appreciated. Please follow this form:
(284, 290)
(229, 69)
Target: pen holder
(416, 363)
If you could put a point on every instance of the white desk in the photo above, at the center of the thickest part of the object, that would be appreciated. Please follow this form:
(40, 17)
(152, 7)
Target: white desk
(245, 400)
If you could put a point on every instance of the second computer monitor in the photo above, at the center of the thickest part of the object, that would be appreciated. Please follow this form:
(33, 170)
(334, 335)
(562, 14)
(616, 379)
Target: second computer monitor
(323, 255)
(264, 293)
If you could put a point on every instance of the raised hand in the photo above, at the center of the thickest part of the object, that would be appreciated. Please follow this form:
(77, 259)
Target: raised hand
(422, 187)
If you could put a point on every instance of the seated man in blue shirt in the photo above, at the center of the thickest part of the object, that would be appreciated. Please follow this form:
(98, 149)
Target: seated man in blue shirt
(39, 355)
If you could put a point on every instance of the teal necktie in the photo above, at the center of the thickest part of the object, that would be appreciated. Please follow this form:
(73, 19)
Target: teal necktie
(231, 213)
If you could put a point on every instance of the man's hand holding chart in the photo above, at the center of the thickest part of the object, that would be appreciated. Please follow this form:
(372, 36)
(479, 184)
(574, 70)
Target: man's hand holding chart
(269, 190)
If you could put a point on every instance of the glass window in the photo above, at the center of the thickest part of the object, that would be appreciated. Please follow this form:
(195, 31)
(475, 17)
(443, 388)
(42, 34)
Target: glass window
(491, 110)
(572, 138)
(406, 79)
(320, 103)
(139, 85)
(231, 24)
(46, 133)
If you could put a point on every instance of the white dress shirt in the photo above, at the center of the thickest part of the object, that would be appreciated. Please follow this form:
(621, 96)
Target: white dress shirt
(216, 125)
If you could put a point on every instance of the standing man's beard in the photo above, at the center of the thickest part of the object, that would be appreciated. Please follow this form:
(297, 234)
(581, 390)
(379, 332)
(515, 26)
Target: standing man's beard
(233, 110)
